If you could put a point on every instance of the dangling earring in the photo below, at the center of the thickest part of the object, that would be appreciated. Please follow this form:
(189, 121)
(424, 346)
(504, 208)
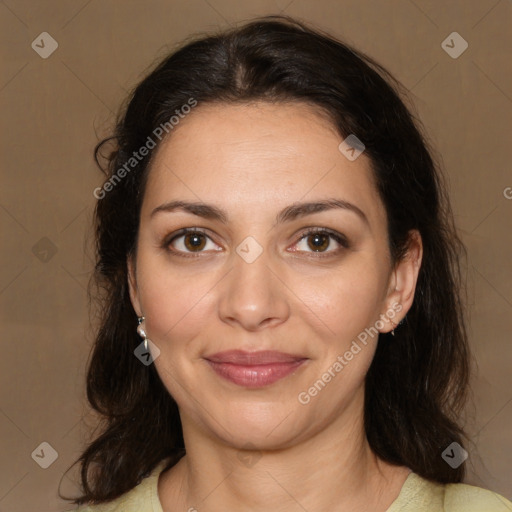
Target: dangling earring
(141, 331)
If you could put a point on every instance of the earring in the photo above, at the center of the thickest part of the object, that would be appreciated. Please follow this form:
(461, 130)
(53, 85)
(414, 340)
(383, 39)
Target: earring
(141, 331)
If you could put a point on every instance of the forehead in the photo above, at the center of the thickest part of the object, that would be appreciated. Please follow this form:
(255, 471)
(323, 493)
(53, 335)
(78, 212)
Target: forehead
(252, 156)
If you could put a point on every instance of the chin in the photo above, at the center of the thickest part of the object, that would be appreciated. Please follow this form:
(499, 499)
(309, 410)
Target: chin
(262, 427)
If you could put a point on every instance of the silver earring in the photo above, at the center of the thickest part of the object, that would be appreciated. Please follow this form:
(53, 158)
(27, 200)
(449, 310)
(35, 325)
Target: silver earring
(141, 331)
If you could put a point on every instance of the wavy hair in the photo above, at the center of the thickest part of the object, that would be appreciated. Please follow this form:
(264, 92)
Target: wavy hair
(417, 384)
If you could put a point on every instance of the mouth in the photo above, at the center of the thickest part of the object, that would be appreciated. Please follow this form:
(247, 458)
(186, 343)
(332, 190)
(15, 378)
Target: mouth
(254, 369)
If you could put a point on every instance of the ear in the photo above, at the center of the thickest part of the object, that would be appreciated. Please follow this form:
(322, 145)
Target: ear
(132, 285)
(402, 283)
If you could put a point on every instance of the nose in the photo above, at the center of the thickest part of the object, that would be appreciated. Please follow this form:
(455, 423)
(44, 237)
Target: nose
(253, 295)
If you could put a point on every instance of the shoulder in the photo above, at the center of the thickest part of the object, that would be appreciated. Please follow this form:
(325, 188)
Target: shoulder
(469, 498)
(421, 495)
(142, 498)
(136, 499)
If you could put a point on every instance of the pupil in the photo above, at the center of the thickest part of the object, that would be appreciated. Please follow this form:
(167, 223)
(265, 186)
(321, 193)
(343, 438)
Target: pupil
(194, 241)
(317, 241)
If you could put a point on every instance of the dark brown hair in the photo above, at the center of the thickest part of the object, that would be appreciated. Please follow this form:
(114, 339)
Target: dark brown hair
(417, 383)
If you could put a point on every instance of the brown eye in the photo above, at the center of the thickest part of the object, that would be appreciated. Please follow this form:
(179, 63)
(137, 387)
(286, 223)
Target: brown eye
(189, 242)
(318, 241)
(194, 241)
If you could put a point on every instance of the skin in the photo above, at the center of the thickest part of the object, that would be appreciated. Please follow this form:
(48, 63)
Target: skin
(261, 449)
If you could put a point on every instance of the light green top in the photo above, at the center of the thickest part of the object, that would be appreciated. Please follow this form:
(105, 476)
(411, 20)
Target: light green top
(417, 494)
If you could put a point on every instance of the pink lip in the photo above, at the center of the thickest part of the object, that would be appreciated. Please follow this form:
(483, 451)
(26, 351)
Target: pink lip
(254, 369)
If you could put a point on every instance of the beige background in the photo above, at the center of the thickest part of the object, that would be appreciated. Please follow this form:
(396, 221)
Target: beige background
(54, 110)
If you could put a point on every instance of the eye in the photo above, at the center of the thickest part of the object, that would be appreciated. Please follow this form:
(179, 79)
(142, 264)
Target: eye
(319, 240)
(188, 240)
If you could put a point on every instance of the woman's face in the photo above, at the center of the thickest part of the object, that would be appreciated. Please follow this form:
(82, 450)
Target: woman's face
(250, 281)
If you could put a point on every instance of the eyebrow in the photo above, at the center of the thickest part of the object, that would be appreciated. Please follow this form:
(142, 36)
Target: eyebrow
(291, 212)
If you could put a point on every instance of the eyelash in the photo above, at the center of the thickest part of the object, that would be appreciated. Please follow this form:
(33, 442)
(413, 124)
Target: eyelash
(340, 239)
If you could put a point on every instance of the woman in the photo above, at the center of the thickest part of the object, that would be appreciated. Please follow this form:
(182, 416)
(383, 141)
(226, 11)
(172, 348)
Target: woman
(282, 325)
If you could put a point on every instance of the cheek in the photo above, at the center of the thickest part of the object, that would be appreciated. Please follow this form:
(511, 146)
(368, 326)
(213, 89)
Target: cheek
(346, 301)
(175, 304)
(347, 304)
(177, 310)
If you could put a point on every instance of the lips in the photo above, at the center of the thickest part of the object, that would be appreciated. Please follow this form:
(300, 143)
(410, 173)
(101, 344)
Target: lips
(241, 357)
(254, 369)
